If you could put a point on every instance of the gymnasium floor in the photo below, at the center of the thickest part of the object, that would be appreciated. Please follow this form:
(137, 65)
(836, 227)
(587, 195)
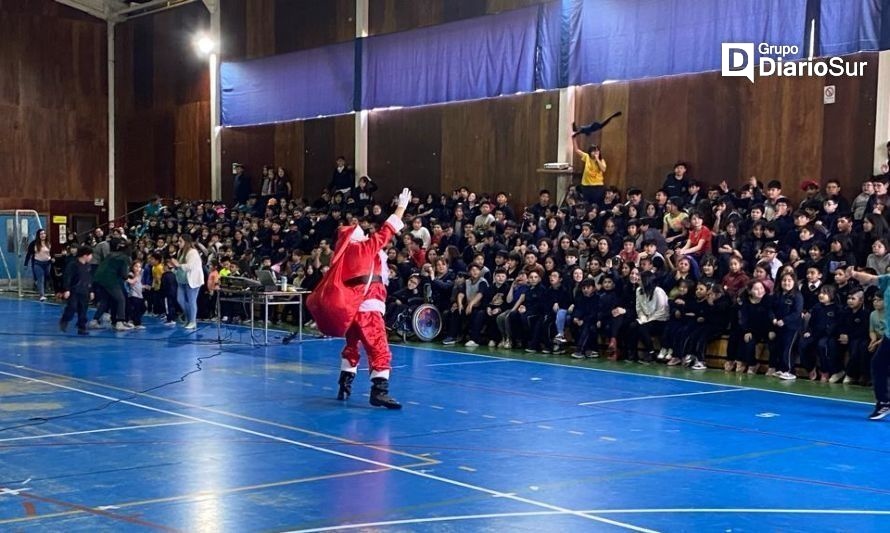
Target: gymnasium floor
(256, 442)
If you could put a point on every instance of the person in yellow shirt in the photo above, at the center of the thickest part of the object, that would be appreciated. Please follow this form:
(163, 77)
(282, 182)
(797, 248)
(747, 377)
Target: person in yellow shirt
(593, 180)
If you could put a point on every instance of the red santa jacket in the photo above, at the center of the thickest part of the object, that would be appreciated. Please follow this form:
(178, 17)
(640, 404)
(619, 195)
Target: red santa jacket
(334, 302)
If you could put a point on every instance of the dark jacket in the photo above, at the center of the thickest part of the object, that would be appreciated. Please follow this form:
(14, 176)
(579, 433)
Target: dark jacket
(755, 318)
(788, 309)
(824, 321)
(854, 324)
(78, 278)
(586, 307)
(113, 271)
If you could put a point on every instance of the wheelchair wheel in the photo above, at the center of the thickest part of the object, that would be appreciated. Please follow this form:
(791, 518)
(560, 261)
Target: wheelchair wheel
(426, 322)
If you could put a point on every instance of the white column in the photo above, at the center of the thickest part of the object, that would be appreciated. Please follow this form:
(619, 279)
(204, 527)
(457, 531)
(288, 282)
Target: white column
(111, 124)
(215, 127)
(882, 113)
(361, 117)
(564, 148)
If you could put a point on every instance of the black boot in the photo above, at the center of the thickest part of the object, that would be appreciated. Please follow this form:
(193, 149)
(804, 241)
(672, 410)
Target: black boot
(380, 394)
(346, 379)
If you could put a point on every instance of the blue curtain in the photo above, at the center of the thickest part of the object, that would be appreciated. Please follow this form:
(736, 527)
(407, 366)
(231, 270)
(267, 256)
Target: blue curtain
(849, 26)
(628, 39)
(304, 84)
(548, 66)
(475, 58)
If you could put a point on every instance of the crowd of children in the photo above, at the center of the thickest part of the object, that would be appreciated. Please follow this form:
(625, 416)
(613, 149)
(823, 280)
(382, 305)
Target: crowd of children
(642, 280)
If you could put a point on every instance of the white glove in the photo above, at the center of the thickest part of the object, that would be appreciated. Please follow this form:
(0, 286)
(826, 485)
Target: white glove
(404, 197)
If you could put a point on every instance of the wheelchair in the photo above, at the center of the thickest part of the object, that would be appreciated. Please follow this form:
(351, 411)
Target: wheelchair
(419, 320)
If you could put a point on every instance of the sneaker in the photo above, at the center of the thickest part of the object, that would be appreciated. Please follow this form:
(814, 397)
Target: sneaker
(471, 344)
(848, 379)
(752, 369)
(448, 341)
(170, 323)
(508, 345)
(771, 372)
(140, 326)
(43, 298)
(728, 366)
(813, 375)
(130, 324)
(698, 365)
(94, 324)
(881, 411)
(786, 376)
(120, 326)
(688, 360)
(674, 361)
(837, 376)
(225, 319)
(661, 354)
(545, 351)
(492, 344)
(740, 367)
(592, 354)
(501, 344)
(824, 377)
(559, 338)
(577, 355)
(191, 325)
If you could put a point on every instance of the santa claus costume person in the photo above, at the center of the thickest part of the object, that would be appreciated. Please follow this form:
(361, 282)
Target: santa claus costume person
(363, 275)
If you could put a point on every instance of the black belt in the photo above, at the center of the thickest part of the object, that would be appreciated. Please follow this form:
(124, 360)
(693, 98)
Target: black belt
(362, 280)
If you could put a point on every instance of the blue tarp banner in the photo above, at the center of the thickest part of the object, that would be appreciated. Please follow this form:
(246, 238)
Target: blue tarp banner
(304, 84)
(476, 58)
(630, 39)
(849, 26)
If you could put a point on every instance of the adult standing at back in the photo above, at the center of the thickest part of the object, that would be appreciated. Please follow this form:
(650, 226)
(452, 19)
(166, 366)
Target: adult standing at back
(342, 179)
(593, 184)
(189, 278)
(241, 183)
(40, 257)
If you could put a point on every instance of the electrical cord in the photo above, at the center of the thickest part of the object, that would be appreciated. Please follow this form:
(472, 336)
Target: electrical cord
(39, 420)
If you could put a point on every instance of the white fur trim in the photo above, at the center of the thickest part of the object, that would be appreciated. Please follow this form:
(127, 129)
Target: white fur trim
(380, 374)
(395, 222)
(346, 367)
(384, 268)
(370, 306)
(357, 235)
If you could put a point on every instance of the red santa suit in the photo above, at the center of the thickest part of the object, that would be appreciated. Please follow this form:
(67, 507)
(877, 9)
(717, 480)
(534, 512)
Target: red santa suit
(365, 271)
(350, 302)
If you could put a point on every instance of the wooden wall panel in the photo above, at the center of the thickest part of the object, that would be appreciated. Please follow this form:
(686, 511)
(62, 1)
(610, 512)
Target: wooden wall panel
(260, 28)
(388, 16)
(849, 127)
(53, 116)
(306, 149)
(777, 128)
(498, 144)
(404, 149)
(163, 107)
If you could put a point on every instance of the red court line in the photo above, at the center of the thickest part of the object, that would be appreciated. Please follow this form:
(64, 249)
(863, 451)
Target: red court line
(97, 512)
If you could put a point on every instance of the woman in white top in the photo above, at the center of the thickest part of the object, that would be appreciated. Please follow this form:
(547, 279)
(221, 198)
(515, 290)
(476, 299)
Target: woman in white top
(652, 314)
(189, 278)
(40, 257)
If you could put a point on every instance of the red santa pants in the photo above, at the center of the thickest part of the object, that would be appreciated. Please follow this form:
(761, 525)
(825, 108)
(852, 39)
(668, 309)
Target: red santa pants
(369, 329)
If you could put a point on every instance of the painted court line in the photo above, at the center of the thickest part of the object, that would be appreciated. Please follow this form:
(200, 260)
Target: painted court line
(226, 413)
(104, 430)
(598, 511)
(632, 374)
(660, 396)
(474, 362)
(320, 449)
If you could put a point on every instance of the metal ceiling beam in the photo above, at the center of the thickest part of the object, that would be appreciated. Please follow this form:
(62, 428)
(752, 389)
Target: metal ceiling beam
(96, 8)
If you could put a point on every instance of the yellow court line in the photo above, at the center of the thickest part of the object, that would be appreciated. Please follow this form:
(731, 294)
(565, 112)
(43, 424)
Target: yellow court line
(234, 415)
(205, 494)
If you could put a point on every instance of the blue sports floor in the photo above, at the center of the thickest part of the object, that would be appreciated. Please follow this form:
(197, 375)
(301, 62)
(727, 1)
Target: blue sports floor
(256, 442)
